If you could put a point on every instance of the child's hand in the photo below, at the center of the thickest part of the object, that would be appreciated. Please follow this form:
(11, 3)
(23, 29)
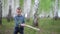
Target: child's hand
(23, 25)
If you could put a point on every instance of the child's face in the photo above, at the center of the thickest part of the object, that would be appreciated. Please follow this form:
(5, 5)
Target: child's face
(18, 12)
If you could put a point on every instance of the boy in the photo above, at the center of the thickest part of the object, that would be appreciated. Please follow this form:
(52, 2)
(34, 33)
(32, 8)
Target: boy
(19, 22)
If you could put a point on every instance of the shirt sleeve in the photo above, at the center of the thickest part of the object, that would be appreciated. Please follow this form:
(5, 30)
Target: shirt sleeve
(15, 20)
(23, 20)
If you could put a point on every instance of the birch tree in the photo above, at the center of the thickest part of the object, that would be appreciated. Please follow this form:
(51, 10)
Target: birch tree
(35, 21)
(56, 9)
(10, 10)
(0, 12)
(27, 8)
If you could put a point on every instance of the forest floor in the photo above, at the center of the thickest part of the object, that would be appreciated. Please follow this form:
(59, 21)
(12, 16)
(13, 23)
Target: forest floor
(46, 25)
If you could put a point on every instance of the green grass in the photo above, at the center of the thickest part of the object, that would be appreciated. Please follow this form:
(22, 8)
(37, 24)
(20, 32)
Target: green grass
(50, 25)
(47, 26)
(6, 26)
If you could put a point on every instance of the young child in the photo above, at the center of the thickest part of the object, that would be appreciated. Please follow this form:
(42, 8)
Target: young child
(19, 22)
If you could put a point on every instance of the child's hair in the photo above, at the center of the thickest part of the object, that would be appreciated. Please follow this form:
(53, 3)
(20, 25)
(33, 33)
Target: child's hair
(19, 8)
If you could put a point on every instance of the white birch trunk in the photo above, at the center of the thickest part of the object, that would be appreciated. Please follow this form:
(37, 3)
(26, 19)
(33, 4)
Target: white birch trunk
(56, 9)
(27, 8)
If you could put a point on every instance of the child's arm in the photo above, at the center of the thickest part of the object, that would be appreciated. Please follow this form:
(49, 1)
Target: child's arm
(15, 20)
(23, 22)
